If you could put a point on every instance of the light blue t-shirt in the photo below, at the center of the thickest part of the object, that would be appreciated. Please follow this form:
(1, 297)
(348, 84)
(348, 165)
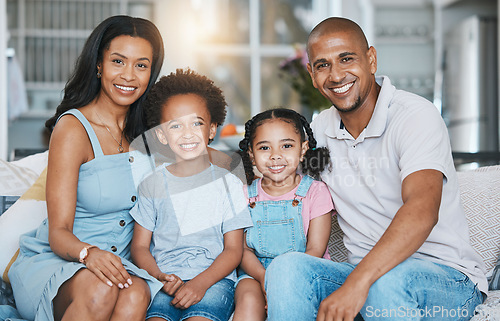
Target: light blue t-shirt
(189, 217)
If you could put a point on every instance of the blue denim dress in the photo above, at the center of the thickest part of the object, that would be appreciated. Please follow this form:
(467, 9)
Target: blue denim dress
(105, 194)
(277, 225)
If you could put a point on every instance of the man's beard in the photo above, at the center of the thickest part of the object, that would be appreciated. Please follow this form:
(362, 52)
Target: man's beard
(354, 106)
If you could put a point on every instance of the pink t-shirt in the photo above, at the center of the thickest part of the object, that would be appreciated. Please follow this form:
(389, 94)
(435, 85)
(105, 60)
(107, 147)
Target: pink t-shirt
(318, 194)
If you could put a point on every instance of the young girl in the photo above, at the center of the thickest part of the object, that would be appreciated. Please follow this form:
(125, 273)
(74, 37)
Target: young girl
(290, 211)
(190, 214)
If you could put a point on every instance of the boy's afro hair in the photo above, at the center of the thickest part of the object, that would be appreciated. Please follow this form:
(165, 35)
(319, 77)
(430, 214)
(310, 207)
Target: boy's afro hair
(180, 83)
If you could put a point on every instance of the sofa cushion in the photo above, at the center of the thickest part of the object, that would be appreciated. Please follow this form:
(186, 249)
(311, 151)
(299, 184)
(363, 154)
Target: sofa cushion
(18, 176)
(23, 216)
(480, 195)
(336, 247)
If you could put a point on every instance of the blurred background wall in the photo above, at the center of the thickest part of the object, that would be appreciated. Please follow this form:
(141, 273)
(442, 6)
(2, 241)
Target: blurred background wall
(444, 50)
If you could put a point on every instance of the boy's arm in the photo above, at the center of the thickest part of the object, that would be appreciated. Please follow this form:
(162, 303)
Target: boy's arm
(141, 255)
(140, 252)
(319, 234)
(193, 291)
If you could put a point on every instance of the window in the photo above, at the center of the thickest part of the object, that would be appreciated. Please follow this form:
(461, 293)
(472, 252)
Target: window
(237, 43)
(47, 37)
(240, 45)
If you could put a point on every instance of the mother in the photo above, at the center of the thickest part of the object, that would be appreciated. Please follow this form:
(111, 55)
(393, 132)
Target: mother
(75, 265)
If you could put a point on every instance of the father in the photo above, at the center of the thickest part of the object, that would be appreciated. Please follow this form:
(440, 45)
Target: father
(395, 189)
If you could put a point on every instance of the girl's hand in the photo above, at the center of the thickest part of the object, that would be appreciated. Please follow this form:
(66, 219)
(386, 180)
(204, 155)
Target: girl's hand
(108, 268)
(171, 283)
(189, 294)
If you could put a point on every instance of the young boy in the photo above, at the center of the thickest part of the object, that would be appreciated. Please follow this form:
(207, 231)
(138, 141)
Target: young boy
(190, 214)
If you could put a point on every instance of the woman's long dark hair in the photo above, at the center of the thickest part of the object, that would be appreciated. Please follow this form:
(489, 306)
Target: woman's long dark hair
(315, 160)
(83, 85)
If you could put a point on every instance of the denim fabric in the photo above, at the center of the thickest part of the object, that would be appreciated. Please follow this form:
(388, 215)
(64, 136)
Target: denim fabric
(414, 290)
(278, 226)
(216, 305)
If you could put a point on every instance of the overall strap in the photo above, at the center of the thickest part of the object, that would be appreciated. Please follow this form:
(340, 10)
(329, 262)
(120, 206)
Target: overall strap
(252, 189)
(96, 147)
(304, 185)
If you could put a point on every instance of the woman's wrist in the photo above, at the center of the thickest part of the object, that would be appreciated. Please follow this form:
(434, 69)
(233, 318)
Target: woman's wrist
(84, 253)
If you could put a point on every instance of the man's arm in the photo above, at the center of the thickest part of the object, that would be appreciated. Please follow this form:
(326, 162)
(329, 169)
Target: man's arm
(421, 193)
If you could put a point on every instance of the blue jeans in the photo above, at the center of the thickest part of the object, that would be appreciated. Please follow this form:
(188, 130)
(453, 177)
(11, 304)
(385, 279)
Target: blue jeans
(277, 225)
(217, 304)
(296, 283)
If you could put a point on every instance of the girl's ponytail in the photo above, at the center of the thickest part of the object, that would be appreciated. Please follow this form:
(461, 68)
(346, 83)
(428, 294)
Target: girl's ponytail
(315, 159)
(244, 152)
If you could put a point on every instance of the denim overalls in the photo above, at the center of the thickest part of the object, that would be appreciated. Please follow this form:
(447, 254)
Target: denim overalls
(277, 225)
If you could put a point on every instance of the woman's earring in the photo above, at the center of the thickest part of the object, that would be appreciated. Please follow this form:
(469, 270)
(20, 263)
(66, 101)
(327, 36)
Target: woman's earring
(99, 75)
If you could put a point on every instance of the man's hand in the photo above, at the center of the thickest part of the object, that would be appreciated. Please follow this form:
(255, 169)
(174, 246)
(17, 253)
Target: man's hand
(343, 304)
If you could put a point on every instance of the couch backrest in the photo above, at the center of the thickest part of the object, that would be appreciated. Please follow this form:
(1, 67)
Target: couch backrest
(336, 247)
(480, 195)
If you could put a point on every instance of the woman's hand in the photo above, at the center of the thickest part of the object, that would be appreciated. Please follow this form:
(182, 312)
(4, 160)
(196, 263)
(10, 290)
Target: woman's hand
(189, 294)
(171, 283)
(108, 268)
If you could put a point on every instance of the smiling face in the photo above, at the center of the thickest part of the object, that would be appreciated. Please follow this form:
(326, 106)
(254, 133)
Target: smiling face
(276, 151)
(125, 70)
(342, 68)
(186, 126)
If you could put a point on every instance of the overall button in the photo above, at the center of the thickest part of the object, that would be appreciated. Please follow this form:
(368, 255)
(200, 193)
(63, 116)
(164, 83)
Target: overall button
(113, 248)
(131, 159)
(133, 198)
(122, 223)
